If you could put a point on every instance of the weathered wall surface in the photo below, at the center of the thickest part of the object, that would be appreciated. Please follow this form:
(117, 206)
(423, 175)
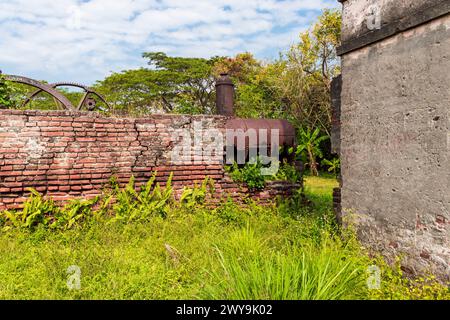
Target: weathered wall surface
(356, 12)
(395, 140)
(67, 155)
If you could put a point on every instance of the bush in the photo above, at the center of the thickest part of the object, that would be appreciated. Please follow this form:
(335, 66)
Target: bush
(149, 201)
(5, 94)
(251, 174)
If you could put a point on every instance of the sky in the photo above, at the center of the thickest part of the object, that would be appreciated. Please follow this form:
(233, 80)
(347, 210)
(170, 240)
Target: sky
(85, 40)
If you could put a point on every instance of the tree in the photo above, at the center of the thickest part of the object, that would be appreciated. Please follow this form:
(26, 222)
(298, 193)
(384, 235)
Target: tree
(241, 68)
(309, 145)
(255, 97)
(132, 92)
(185, 81)
(5, 94)
(306, 71)
(171, 85)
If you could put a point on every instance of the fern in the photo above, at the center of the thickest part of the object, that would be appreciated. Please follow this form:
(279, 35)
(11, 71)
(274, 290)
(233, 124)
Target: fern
(192, 197)
(150, 200)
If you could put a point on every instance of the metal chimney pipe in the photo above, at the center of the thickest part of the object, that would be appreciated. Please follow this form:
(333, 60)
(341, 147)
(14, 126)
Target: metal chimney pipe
(225, 95)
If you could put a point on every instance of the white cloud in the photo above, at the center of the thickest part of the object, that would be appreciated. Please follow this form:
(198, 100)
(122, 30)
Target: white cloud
(84, 40)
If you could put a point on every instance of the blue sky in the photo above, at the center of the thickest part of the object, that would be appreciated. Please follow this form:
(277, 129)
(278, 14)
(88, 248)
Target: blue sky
(84, 41)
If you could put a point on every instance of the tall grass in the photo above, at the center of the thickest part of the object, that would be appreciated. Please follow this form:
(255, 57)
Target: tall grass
(250, 269)
(163, 249)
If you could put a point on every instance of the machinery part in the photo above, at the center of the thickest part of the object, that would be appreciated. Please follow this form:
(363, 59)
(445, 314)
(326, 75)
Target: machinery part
(86, 100)
(225, 95)
(285, 129)
(58, 96)
(286, 134)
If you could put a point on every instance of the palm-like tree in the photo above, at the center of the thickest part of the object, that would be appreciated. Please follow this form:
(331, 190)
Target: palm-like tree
(309, 144)
(333, 165)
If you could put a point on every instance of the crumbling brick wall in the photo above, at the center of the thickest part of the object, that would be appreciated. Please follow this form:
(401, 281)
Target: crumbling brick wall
(67, 155)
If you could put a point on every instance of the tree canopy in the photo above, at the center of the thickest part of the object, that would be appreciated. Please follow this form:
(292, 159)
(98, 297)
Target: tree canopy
(296, 86)
(171, 85)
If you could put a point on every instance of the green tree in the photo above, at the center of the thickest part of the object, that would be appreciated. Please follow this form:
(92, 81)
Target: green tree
(305, 73)
(171, 85)
(255, 97)
(5, 94)
(132, 92)
(309, 146)
(241, 68)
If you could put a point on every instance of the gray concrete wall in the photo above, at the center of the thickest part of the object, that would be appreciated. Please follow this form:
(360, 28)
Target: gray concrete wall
(395, 140)
(356, 13)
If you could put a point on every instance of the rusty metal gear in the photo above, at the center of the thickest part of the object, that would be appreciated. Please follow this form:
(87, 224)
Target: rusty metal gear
(86, 101)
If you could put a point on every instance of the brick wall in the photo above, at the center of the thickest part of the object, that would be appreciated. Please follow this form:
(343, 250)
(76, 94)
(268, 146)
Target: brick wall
(67, 155)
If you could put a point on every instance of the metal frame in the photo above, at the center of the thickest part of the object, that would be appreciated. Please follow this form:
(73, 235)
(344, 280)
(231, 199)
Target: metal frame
(60, 99)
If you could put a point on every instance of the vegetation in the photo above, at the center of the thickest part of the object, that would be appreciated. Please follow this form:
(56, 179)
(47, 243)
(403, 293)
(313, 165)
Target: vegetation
(186, 250)
(253, 176)
(171, 85)
(334, 165)
(296, 86)
(309, 149)
(138, 242)
(5, 94)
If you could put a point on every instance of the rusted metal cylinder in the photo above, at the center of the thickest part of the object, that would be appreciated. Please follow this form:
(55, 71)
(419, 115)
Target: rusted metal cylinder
(225, 95)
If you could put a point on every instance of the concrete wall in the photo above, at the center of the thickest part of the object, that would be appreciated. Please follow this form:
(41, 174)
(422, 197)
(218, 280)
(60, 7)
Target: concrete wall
(356, 13)
(395, 138)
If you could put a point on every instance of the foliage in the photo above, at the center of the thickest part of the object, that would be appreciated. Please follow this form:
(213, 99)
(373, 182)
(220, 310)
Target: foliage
(240, 68)
(231, 213)
(287, 172)
(192, 197)
(36, 211)
(5, 94)
(309, 146)
(231, 251)
(334, 165)
(254, 95)
(39, 211)
(396, 286)
(150, 200)
(250, 174)
(306, 71)
(295, 87)
(171, 85)
(76, 212)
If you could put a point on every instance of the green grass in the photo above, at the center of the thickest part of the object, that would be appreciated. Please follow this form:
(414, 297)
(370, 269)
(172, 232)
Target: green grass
(321, 186)
(187, 251)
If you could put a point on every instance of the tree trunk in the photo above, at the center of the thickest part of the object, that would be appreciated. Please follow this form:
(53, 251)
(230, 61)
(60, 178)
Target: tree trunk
(312, 164)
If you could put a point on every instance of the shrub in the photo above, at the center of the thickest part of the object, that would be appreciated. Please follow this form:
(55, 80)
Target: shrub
(192, 197)
(287, 172)
(250, 174)
(36, 211)
(149, 201)
(5, 94)
(74, 213)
